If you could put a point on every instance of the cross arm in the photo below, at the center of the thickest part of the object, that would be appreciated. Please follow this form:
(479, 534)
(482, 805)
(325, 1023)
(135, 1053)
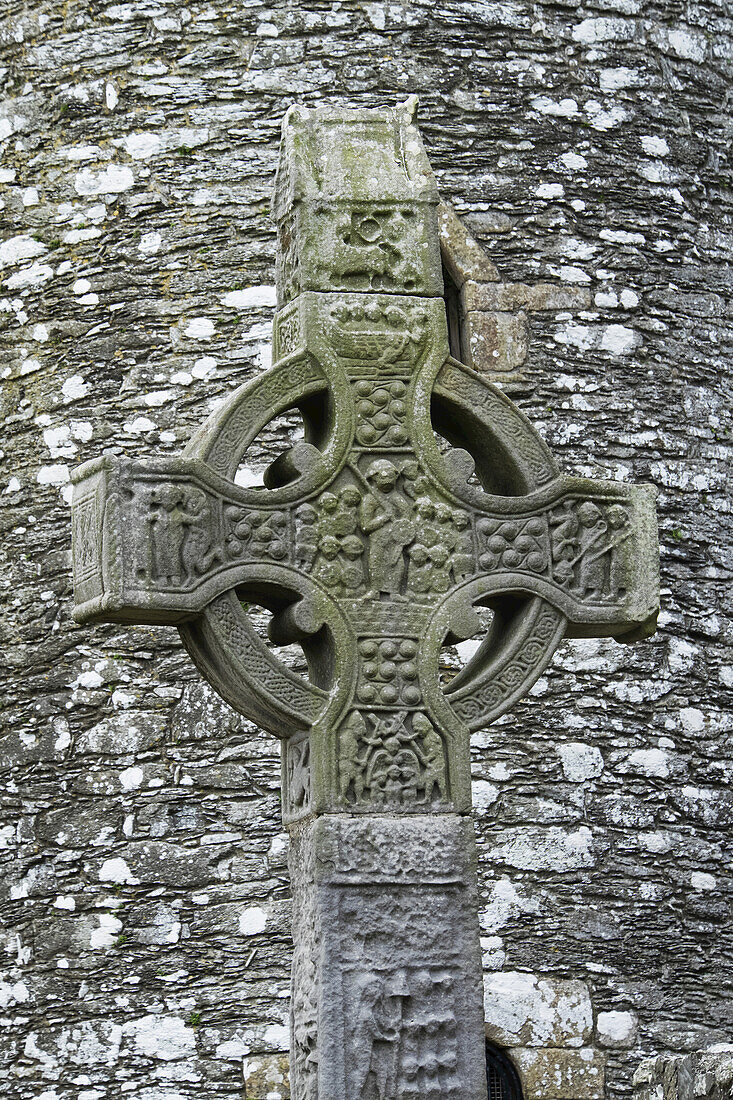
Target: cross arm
(588, 547)
(155, 542)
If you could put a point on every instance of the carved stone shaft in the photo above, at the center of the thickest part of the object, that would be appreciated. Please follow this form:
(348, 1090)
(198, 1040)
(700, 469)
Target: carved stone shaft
(386, 989)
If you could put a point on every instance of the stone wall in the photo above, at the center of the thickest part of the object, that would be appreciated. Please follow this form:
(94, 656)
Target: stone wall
(705, 1075)
(145, 901)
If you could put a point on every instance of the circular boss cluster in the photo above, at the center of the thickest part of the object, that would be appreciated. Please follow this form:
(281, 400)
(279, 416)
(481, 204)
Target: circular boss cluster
(382, 411)
(389, 671)
(514, 546)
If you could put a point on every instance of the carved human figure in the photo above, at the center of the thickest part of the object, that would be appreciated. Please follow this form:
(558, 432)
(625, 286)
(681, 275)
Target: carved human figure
(197, 553)
(352, 568)
(377, 1051)
(169, 522)
(425, 521)
(441, 566)
(419, 569)
(618, 522)
(326, 568)
(345, 516)
(385, 517)
(306, 540)
(593, 549)
(299, 773)
(564, 527)
(350, 763)
(433, 757)
(463, 552)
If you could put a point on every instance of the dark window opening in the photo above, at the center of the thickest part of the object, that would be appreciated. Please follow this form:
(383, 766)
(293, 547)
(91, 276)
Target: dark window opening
(501, 1076)
(452, 296)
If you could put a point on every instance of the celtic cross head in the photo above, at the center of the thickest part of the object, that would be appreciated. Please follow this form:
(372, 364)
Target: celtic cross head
(420, 509)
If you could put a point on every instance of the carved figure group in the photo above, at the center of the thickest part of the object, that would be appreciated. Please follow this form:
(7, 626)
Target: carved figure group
(385, 538)
(382, 335)
(179, 542)
(406, 1044)
(391, 764)
(587, 548)
(327, 543)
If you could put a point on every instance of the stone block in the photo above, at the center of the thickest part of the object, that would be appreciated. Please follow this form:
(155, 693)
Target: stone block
(552, 1074)
(523, 1010)
(616, 1030)
(387, 961)
(702, 1075)
(464, 258)
(509, 297)
(496, 341)
(266, 1077)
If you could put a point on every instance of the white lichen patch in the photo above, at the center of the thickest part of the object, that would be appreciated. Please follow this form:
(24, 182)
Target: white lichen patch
(252, 297)
(534, 849)
(506, 902)
(17, 249)
(611, 80)
(564, 108)
(163, 1037)
(523, 1009)
(59, 441)
(35, 275)
(579, 761)
(620, 340)
(131, 778)
(252, 921)
(651, 762)
(150, 243)
(483, 795)
(106, 934)
(550, 191)
(616, 1029)
(573, 161)
(112, 180)
(604, 118)
(74, 388)
(142, 146)
(602, 29)
(199, 328)
(54, 475)
(138, 426)
(116, 870)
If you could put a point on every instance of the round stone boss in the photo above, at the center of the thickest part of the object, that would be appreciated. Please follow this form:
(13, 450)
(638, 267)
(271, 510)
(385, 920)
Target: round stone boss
(394, 427)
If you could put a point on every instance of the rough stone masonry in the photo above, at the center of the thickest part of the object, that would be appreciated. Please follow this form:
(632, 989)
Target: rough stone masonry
(373, 550)
(586, 149)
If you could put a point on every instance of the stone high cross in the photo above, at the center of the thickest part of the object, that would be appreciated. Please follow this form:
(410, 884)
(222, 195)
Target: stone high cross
(373, 545)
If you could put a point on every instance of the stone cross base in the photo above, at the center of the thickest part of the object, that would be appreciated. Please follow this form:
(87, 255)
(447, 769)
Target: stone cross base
(387, 998)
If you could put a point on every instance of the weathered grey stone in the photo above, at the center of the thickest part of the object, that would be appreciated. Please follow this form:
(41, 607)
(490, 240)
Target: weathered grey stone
(552, 1074)
(617, 1029)
(514, 296)
(386, 972)
(703, 1075)
(464, 259)
(496, 341)
(521, 1010)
